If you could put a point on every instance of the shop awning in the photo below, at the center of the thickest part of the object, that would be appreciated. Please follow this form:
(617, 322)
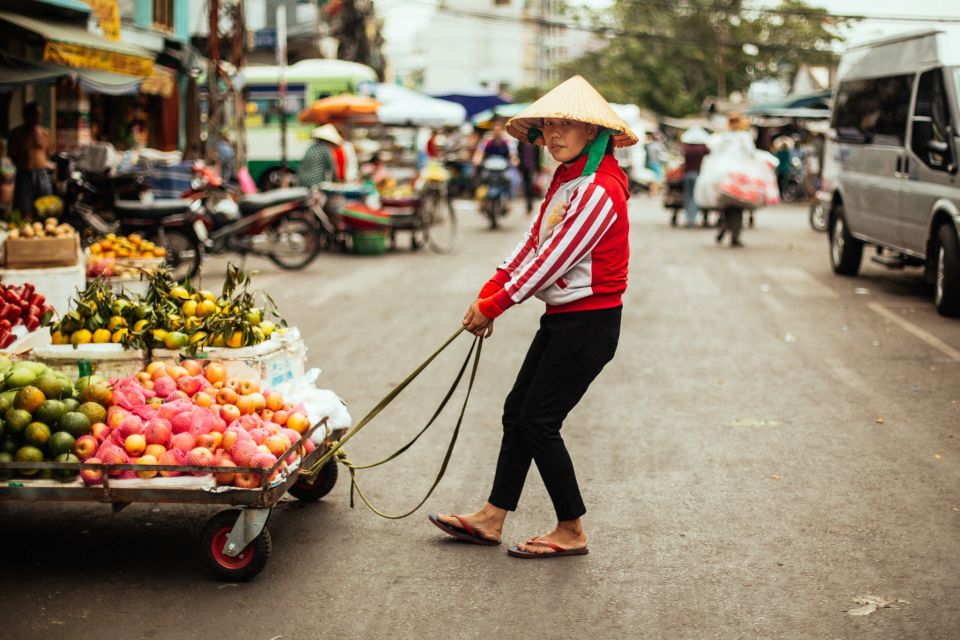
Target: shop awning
(73, 46)
(15, 72)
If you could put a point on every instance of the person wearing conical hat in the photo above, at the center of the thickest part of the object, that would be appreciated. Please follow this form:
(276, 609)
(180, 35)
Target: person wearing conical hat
(574, 257)
(318, 164)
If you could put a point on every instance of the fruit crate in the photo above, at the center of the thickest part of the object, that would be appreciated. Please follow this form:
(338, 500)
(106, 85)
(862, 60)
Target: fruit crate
(107, 360)
(236, 543)
(281, 358)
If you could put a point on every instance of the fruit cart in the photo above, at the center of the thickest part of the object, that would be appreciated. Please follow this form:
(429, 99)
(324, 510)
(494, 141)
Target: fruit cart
(236, 542)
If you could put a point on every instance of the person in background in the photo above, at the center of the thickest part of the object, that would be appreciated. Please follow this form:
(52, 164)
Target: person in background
(375, 170)
(30, 148)
(694, 142)
(495, 143)
(656, 156)
(782, 150)
(530, 163)
(350, 164)
(737, 135)
(318, 164)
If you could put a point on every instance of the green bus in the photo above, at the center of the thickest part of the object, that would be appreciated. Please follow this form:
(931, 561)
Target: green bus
(307, 81)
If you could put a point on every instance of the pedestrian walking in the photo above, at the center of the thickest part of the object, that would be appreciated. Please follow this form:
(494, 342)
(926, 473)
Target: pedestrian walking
(30, 149)
(656, 157)
(694, 142)
(731, 218)
(530, 163)
(574, 257)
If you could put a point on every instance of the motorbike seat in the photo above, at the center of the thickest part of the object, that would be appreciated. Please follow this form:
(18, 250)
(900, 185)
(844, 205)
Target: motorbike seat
(255, 202)
(156, 209)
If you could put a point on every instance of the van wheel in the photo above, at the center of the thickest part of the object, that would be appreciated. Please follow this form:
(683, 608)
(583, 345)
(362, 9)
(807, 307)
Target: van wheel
(845, 250)
(947, 285)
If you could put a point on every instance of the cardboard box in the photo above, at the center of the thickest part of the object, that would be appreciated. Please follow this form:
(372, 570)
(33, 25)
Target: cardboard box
(42, 252)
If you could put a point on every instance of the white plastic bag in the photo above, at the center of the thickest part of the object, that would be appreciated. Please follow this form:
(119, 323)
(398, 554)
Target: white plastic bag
(735, 174)
(318, 403)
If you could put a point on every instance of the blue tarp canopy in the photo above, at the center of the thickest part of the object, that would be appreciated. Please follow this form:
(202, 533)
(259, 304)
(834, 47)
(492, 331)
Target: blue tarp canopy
(473, 102)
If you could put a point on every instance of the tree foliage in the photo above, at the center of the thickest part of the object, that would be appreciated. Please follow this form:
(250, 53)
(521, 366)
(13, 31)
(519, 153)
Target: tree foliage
(664, 54)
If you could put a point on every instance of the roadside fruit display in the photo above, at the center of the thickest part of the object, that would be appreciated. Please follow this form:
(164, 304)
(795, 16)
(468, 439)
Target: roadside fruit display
(183, 414)
(191, 414)
(170, 315)
(49, 228)
(21, 305)
(44, 415)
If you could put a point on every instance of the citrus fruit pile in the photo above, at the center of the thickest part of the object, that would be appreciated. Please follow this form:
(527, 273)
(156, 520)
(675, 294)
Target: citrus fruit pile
(190, 414)
(45, 416)
(20, 305)
(133, 246)
(169, 315)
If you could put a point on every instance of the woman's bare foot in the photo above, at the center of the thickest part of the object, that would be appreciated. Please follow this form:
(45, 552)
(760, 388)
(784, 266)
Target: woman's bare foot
(568, 534)
(487, 522)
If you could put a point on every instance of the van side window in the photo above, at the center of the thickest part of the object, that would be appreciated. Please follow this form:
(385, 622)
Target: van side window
(930, 134)
(873, 110)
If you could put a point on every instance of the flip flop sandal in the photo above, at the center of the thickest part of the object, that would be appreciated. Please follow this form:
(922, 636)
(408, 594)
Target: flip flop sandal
(464, 533)
(558, 551)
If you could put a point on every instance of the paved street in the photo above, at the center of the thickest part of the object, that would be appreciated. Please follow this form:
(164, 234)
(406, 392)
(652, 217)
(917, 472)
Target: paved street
(771, 442)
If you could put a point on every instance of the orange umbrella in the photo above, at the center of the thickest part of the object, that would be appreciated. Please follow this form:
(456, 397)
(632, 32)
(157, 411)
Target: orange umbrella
(342, 106)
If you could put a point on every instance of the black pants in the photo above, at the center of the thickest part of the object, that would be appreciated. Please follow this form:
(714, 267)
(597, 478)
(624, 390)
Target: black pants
(567, 353)
(731, 221)
(528, 175)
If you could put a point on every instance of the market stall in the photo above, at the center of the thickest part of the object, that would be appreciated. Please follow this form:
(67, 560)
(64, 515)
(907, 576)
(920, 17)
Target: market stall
(174, 396)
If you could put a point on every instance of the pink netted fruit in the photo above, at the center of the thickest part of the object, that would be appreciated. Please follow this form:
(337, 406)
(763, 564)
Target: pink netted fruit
(263, 460)
(225, 477)
(171, 458)
(259, 435)
(308, 446)
(200, 457)
(158, 431)
(183, 441)
(242, 452)
(251, 421)
(292, 435)
(164, 386)
(131, 425)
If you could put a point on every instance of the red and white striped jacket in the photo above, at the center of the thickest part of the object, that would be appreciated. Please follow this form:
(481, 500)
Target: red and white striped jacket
(576, 253)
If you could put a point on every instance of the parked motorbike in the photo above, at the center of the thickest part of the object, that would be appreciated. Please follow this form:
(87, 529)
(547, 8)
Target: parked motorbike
(494, 189)
(283, 225)
(169, 223)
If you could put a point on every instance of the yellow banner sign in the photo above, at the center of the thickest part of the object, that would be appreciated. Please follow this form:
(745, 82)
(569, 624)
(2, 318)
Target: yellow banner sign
(109, 16)
(81, 57)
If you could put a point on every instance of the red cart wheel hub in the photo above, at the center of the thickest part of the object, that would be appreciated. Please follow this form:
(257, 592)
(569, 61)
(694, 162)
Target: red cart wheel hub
(220, 542)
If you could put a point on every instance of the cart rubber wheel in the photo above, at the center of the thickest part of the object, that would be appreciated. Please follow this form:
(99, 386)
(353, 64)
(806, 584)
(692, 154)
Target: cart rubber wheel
(243, 567)
(307, 491)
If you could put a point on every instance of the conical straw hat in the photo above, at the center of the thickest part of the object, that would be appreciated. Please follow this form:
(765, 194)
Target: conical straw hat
(574, 99)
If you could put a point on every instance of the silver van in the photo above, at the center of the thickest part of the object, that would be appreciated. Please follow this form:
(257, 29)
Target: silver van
(890, 165)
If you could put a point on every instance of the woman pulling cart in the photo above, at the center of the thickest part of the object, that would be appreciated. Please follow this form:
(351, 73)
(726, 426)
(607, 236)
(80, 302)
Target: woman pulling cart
(574, 258)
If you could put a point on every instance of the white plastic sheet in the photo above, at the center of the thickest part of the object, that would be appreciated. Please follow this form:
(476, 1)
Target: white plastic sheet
(735, 174)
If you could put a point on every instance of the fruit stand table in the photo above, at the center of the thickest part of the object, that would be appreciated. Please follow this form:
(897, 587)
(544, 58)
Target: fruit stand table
(236, 542)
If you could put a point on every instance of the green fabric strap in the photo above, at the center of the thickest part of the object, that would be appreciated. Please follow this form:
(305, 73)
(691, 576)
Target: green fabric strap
(595, 151)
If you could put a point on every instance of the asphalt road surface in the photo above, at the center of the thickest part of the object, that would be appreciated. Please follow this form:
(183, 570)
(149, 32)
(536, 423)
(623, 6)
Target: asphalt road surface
(771, 442)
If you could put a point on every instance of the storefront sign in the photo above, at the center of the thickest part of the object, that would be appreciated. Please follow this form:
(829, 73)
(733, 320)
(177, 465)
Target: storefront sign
(73, 55)
(109, 16)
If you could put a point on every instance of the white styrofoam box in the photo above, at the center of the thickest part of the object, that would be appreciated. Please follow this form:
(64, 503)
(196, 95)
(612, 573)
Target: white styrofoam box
(272, 362)
(107, 360)
(27, 341)
(57, 284)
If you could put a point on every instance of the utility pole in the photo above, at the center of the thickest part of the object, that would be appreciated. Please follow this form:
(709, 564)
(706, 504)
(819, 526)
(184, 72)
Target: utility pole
(282, 62)
(214, 106)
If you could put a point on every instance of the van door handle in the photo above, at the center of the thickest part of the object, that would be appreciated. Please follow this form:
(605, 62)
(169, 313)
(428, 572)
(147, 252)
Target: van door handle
(898, 171)
(906, 165)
